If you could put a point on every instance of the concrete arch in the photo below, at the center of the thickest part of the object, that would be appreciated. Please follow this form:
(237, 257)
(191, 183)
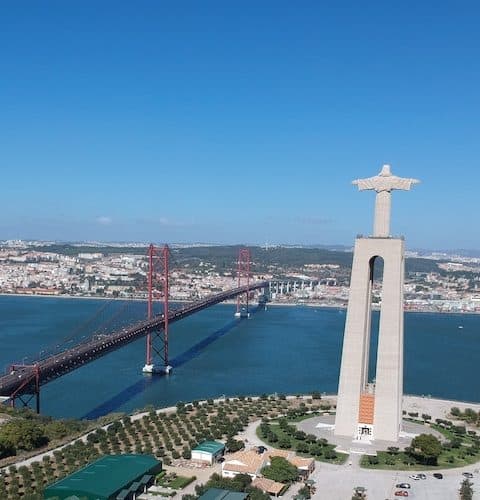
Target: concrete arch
(355, 354)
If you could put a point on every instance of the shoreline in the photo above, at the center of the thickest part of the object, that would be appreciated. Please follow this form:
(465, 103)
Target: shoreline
(273, 304)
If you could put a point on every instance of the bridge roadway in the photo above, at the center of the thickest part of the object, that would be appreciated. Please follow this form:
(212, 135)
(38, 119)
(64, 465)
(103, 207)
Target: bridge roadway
(23, 380)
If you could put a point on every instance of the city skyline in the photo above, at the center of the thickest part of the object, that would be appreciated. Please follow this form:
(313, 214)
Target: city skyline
(229, 124)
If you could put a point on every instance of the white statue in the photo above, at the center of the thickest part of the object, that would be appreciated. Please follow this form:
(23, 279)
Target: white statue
(384, 183)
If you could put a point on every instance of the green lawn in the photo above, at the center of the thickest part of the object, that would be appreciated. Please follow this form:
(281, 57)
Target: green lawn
(449, 458)
(174, 481)
(337, 458)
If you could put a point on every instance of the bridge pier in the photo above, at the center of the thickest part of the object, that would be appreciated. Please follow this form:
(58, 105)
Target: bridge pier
(28, 389)
(153, 369)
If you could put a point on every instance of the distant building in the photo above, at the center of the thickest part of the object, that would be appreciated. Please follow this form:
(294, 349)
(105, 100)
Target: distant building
(90, 256)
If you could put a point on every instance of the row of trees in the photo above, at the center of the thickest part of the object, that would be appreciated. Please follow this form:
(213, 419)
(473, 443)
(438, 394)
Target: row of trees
(469, 415)
(287, 436)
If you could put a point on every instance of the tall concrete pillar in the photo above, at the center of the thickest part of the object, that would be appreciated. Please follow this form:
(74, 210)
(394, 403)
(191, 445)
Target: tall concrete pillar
(356, 342)
(364, 410)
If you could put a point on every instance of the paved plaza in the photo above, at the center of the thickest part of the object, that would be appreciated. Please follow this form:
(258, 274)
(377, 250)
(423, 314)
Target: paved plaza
(322, 427)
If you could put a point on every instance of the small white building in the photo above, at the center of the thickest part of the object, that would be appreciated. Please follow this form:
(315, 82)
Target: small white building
(208, 451)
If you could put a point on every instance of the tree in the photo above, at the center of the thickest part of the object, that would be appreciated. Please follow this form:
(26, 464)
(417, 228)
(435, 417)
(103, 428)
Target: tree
(455, 411)
(234, 445)
(6, 448)
(426, 448)
(23, 434)
(256, 494)
(284, 443)
(304, 492)
(466, 490)
(300, 435)
(280, 470)
(303, 447)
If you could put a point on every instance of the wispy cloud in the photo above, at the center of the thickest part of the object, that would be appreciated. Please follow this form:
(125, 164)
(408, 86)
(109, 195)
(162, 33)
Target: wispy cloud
(312, 220)
(164, 221)
(304, 220)
(104, 220)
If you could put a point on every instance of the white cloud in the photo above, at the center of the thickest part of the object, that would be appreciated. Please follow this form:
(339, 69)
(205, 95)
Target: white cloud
(104, 220)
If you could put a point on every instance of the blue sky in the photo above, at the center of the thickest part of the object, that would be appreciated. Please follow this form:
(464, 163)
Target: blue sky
(237, 122)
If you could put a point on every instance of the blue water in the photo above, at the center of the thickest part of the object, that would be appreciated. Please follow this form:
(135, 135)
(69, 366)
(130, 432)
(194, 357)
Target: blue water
(283, 349)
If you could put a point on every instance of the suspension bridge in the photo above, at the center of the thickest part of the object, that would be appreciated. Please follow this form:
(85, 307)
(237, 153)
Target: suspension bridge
(23, 381)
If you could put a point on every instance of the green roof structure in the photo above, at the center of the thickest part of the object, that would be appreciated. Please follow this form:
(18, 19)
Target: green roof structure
(105, 478)
(210, 447)
(218, 494)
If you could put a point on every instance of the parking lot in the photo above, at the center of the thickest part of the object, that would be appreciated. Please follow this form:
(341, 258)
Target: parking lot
(337, 483)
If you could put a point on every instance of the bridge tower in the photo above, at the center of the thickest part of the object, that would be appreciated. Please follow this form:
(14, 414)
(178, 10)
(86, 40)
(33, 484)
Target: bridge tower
(28, 389)
(243, 272)
(157, 342)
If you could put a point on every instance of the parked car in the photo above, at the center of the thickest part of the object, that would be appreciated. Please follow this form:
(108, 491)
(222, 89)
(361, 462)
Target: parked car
(416, 477)
(422, 476)
(469, 475)
(401, 493)
(438, 475)
(403, 485)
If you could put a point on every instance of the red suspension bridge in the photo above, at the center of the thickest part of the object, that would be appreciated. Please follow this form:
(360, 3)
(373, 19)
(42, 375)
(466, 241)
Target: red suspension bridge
(23, 381)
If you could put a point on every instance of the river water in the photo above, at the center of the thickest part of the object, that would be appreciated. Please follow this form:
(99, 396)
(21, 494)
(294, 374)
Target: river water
(283, 349)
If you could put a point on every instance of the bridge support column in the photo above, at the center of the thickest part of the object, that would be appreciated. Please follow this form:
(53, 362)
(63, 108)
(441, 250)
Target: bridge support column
(243, 271)
(29, 389)
(157, 342)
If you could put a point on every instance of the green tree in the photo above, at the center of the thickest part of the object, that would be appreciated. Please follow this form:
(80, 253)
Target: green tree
(304, 492)
(466, 490)
(280, 470)
(456, 412)
(303, 447)
(6, 448)
(284, 443)
(234, 445)
(256, 494)
(23, 434)
(300, 435)
(426, 448)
